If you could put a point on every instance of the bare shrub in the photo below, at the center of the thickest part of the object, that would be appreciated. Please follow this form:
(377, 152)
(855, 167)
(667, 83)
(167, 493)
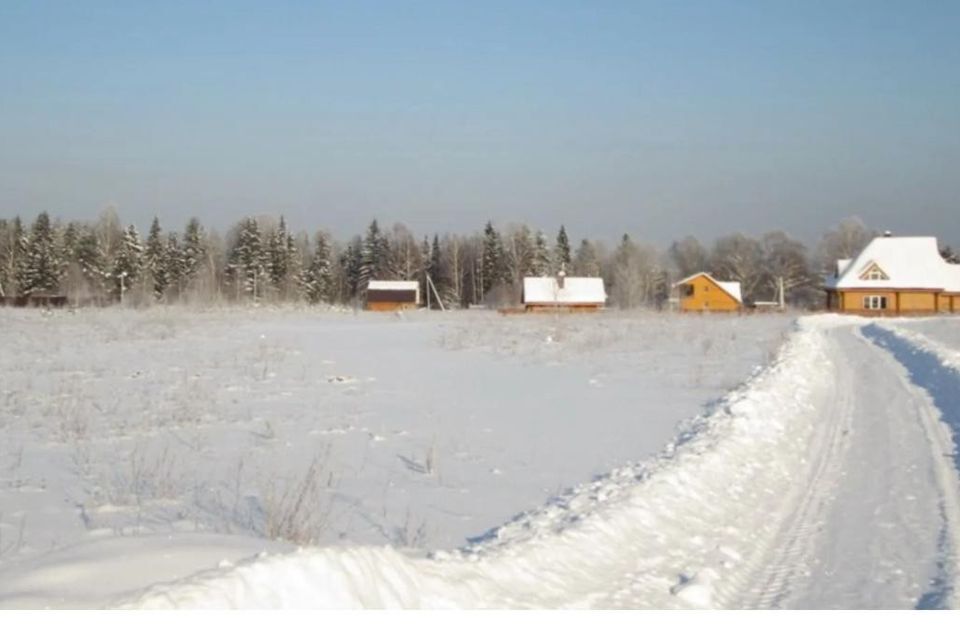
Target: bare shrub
(298, 511)
(411, 533)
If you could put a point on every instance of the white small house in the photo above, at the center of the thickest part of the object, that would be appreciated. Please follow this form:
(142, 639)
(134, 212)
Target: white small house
(562, 293)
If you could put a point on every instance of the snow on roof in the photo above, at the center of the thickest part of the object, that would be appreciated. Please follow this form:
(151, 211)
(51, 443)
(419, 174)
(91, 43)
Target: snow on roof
(393, 285)
(907, 263)
(574, 291)
(732, 288)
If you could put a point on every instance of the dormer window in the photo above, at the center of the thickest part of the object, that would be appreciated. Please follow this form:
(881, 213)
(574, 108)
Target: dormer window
(873, 272)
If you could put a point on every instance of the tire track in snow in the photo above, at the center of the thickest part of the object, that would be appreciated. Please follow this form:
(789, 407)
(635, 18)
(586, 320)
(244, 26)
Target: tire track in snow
(786, 565)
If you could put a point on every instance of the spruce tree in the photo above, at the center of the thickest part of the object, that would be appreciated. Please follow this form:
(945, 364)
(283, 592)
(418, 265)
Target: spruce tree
(493, 269)
(245, 264)
(22, 251)
(68, 243)
(174, 263)
(155, 260)
(42, 266)
(7, 254)
(194, 251)
(562, 251)
(318, 278)
(374, 257)
(351, 266)
(280, 256)
(128, 263)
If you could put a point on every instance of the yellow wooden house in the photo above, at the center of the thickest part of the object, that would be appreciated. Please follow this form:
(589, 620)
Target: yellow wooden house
(895, 276)
(702, 292)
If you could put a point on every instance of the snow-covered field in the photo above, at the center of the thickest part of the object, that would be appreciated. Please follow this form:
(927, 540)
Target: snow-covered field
(139, 447)
(269, 458)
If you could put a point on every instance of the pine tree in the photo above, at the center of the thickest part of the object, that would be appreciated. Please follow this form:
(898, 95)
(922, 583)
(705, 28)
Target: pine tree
(128, 263)
(374, 257)
(561, 251)
(493, 272)
(21, 245)
(246, 264)
(155, 260)
(194, 250)
(7, 255)
(42, 267)
(280, 256)
(318, 277)
(68, 243)
(174, 263)
(350, 266)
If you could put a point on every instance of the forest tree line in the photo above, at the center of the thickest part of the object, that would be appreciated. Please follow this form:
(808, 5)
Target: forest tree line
(261, 259)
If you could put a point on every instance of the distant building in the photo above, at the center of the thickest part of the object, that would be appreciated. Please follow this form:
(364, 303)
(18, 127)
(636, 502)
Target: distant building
(392, 295)
(703, 292)
(562, 293)
(895, 275)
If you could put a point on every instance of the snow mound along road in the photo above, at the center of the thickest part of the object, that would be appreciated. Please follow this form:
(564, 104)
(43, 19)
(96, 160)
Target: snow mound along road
(692, 528)
(933, 371)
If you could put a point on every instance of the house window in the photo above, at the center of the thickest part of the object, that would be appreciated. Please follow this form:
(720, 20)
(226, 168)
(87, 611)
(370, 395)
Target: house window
(687, 290)
(873, 272)
(875, 303)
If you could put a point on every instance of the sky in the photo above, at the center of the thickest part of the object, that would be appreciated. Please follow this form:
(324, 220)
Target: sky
(658, 119)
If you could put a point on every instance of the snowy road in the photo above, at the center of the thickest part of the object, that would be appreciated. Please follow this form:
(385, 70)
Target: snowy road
(876, 523)
(827, 480)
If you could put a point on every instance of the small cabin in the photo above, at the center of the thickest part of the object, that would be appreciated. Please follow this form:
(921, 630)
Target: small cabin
(703, 292)
(895, 276)
(562, 293)
(392, 295)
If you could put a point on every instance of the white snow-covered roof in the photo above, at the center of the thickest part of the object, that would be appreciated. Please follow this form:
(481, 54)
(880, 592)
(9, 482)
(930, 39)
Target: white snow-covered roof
(393, 285)
(574, 291)
(907, 263)
(732, 288)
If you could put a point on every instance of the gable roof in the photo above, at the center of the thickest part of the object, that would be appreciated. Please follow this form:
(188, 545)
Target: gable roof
(732, 288)
(574, 291)
(908, 262)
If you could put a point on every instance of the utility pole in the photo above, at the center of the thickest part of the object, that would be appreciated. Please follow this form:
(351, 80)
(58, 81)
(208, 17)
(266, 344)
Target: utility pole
(439, 301)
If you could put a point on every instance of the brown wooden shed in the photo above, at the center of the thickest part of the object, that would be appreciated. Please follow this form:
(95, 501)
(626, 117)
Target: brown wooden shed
(392, 295)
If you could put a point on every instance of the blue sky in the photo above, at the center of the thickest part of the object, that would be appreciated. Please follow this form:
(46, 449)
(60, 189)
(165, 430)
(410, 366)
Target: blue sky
(653, 118)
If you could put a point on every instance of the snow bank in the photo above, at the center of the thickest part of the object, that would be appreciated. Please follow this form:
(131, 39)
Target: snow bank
(688, 529)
